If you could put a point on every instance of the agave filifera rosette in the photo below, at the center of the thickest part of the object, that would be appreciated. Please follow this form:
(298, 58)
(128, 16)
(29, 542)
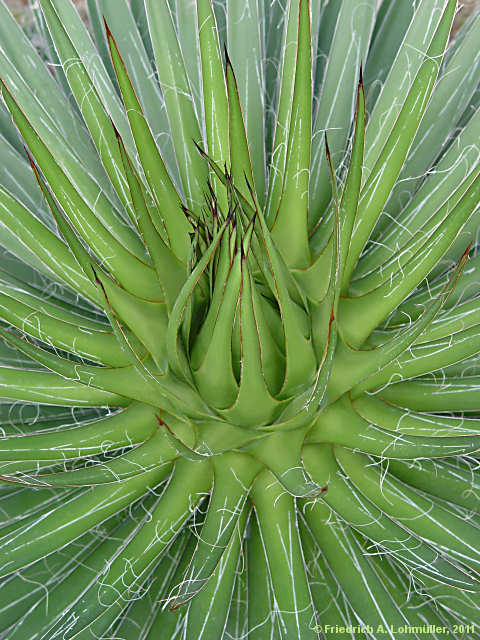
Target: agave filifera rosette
(240, 343)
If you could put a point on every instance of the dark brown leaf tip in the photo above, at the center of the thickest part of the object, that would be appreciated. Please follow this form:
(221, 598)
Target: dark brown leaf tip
(199, 149)
(327, 148)
(31, 160)
(98, 281)
(228, 62)
(116, 131)
(107, 28)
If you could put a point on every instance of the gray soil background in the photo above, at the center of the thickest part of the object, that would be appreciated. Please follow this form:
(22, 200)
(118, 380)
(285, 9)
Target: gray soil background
(20, 10)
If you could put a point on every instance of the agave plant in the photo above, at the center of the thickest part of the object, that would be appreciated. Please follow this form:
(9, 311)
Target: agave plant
(239, 321)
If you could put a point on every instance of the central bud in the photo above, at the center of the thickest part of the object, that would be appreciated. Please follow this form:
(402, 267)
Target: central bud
(251, 353)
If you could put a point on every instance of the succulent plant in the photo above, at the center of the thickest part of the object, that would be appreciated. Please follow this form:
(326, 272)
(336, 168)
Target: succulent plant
(240, 321)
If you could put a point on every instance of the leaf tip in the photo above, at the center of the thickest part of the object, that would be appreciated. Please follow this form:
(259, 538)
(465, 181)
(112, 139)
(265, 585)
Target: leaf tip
(107, 28)
(327, 148)
(228, 62)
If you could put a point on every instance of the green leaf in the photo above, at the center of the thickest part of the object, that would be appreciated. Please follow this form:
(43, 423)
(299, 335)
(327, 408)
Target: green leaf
(449, 172)
(412, 423)
(362, 587)
(208, 611)
(392, 23)
(71, 519)
(143, 550)
(50, 388)
(170, 271)
(242, 176)
(340, 424)
(281, 453)
(425, 394)
(336, 104)
(245, 24)
(233, 474)
(389, 161)
(49, 109)
(187, 23)
(214, 374)
(120, 17)
(139, 616)
(88, 572)
(26, 592)
(130, 426)
(175, 350)
(146, 319)
(353, 181)
(447, 480)
(427, 519)
(355, 368)
(254, 404)
(99, 36)
(178, 101)
(129, 269)
(48, 249)
(282, 546)
(93, 111)
(298, 348)
(451, 95)
(314, 281)
(413, 306)
(167, 199)
(260, 604)
(429, 356)
(140, 382)
(287, 57)
(154, 454)
(426, 233)
(343, 498)
(290, 228)
(17, 180)
(214, 89)
(415, 27)
(370, 309)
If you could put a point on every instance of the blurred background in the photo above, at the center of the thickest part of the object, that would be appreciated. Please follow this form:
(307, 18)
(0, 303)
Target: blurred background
(20, 10)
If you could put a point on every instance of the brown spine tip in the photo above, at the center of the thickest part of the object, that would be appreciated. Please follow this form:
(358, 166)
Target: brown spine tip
(247, 181)
(173, 607)
(231, 215)
(467, 251)
(95, 275)
(100, 284)
(30, 159)
(327, 148)
(199, 149)
(360, 79)
(107, 28)
(210, 190)
(116, 131)
(228, 62)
